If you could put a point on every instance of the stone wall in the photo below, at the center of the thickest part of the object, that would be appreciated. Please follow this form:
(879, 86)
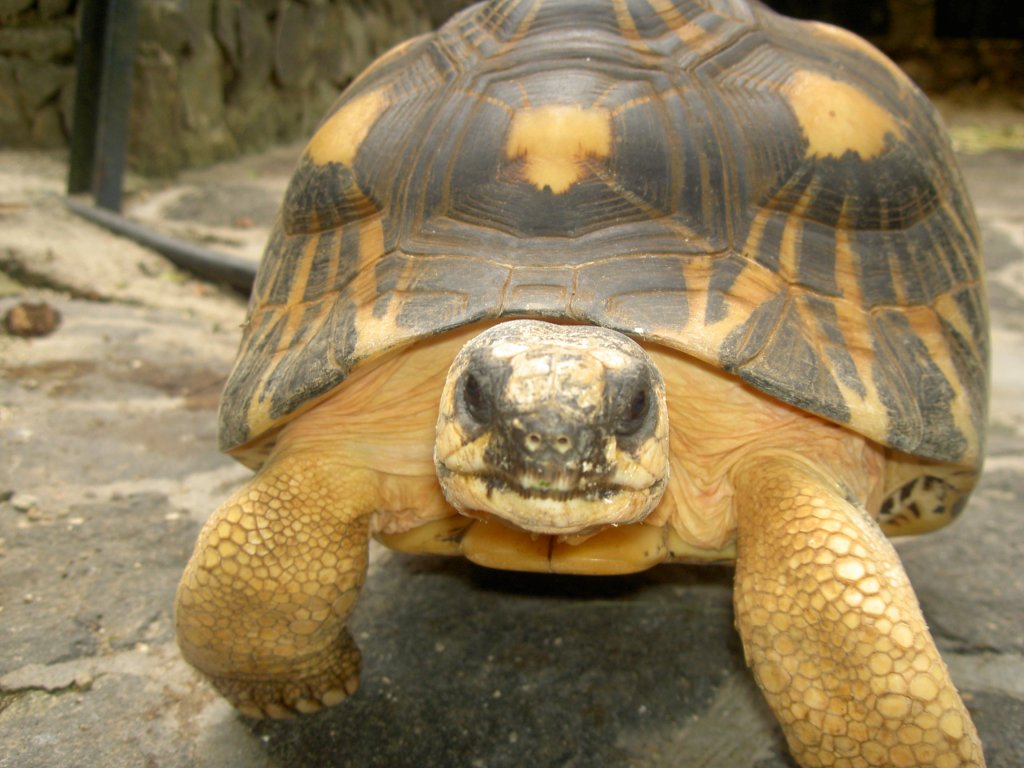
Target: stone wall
(216, 78)
(37, 46)
(213, 78)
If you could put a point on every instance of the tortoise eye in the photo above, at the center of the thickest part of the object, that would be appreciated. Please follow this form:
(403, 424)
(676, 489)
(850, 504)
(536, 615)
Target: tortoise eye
(476, 401)
(635, 414)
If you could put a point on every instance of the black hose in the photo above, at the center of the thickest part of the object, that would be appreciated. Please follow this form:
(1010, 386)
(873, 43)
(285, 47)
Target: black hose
(213, 265)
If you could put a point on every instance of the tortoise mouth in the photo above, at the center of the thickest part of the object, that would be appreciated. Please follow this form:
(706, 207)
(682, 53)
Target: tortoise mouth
(559, 487)
(538, 505)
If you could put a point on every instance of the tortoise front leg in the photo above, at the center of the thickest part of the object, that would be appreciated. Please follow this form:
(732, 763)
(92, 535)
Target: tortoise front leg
(833, 631)
(262, 605)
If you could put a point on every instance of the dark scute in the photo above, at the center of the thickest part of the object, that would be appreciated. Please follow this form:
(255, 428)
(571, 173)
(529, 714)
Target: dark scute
(876, 253)
(834, 344)
(816, 259)
(432, 301)
(890, 192)
(704, 163)
(634, 292)
(260, 342)
(914, 267)
(330, 245)
(970, 370)
(750, 339)
(269, 285)
(971, 301)
(723, 275)
(323, 197)
(571, 15)
(914, 391)
(285, 267)
(649, 24)
(540, 291)
(314, 363)
(518, 208)
(761, 163)
(770, 243)
(788, 367)
(643, 155)
(389, 270)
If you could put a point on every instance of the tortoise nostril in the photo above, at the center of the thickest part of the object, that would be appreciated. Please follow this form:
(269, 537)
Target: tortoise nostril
(535, 441)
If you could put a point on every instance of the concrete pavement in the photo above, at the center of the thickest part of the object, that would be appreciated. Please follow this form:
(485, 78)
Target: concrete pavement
(108, 466)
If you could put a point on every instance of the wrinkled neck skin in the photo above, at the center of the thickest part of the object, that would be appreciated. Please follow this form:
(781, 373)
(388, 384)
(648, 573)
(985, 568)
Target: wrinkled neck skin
(383, 419)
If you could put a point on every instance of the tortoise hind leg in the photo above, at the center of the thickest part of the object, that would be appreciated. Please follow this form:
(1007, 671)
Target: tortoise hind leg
(833, 631)
(262, 605)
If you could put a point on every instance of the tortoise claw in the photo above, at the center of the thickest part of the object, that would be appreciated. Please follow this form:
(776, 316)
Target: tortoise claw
(286, 699)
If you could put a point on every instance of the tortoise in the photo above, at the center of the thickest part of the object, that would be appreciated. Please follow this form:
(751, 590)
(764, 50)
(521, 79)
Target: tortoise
(584, 287)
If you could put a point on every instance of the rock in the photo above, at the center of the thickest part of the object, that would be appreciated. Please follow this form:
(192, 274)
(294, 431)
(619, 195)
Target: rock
(156, 141)
(41, 43)
(9, 8)
(378, 31)
(66, 103)
(331, 61)
(225, 29)
(355, 48)
(206, 137)
(14, 123)
(23, 502)
(199, 15)
(293, 47)
(201, 92)
(29, 319)
(40, 81)
(48, 128)
(255, 45)
(54, 677)
(259, 117)
(48, 9)
(166, 23)
(442, 10)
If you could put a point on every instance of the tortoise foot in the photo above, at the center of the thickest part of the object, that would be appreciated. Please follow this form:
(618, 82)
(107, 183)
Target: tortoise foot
(834, 634)
(263, 604)
(285, 698)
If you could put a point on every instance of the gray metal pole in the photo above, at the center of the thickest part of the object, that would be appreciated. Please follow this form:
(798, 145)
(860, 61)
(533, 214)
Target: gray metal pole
(104, 63)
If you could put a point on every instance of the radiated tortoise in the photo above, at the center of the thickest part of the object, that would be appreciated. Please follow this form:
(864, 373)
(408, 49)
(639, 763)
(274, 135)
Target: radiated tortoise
(584, 287)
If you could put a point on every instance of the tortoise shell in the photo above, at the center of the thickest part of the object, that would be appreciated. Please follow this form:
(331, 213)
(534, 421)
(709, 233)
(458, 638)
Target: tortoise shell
(771, 196)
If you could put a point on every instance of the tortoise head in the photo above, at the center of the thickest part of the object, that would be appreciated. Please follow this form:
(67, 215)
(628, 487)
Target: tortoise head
(553, 428)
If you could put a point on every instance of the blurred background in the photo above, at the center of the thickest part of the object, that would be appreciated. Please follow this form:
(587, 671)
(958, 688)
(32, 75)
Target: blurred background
(215, 79)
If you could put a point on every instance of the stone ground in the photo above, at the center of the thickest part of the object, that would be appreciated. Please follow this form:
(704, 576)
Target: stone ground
(109, 466)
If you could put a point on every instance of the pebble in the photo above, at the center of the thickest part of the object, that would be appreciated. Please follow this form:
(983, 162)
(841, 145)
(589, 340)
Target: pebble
(29, 319)
(23, 502)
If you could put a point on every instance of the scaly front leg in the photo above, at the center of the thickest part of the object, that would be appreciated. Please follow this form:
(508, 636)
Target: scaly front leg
(262, 605)
(833, 631)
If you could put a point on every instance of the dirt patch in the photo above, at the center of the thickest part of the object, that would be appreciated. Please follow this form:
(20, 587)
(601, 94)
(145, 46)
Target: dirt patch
(200, 387)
